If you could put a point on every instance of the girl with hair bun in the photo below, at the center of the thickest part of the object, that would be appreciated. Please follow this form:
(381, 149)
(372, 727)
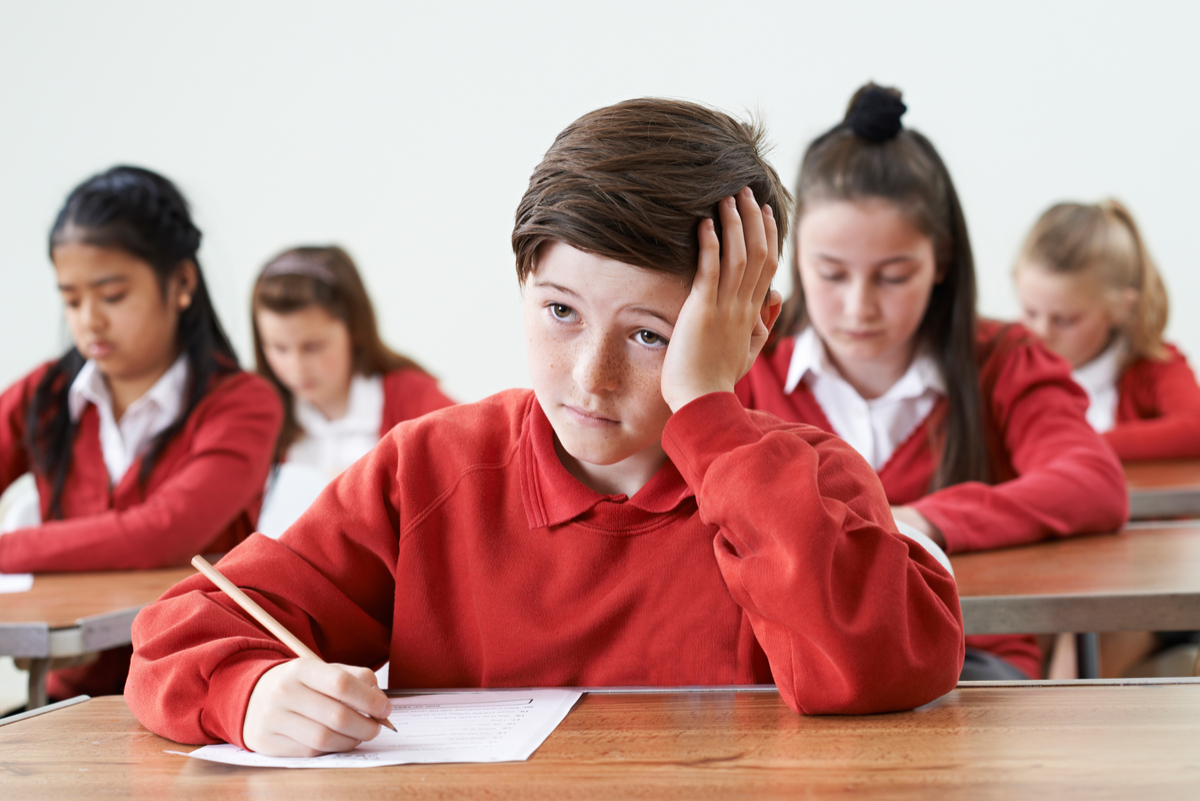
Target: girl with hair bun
(147, 444)
(316, 341)
(975, 429)
(1090, 290)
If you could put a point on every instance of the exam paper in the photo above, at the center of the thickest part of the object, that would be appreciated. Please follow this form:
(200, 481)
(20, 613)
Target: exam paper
(488, 726)
(16, 582)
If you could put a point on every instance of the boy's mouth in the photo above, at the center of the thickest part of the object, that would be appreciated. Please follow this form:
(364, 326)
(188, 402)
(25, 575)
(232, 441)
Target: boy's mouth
(586, 418)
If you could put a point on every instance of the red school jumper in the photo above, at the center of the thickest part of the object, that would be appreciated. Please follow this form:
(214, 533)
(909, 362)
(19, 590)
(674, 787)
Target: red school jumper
(409, 393)
(1054, 475)
(1158, 410)
(462, 550)
(202, 496)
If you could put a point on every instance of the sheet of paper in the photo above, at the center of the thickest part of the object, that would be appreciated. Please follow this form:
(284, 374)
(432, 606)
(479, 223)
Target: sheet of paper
(16, 582)
(488, 726)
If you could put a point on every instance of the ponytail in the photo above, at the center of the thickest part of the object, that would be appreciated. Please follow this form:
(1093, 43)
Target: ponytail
(1144, 327)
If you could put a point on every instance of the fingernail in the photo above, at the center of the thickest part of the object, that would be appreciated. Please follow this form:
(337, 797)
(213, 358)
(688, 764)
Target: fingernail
(767, 208)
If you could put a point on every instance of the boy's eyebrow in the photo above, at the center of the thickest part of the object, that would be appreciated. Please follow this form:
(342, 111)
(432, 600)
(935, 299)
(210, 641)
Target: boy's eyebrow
(641, 309)
(108, 279)
(652, 313)
(559, 287)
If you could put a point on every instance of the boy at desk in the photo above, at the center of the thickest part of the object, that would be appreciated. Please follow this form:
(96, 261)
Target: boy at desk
(626, 522)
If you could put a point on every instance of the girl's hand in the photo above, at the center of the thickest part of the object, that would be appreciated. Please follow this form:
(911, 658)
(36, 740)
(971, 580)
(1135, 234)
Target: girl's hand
(728, 315)
(305, 708)
(907, 514)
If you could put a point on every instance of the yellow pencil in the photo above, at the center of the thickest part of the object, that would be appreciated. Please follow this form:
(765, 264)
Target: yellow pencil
(262, 616)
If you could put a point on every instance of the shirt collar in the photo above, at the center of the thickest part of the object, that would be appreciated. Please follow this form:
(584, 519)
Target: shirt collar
(166, 393)
(553, 496)
(1102, 372)
(810, 357)
(364, 410)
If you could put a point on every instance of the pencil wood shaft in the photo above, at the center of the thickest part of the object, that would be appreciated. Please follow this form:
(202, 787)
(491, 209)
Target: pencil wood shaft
(262, 616)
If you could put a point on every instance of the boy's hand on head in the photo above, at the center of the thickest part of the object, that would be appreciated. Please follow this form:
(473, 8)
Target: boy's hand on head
(727, 317)
(305, 708)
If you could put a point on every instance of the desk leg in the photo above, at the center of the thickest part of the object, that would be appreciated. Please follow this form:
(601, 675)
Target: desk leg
(1087, 655)
(38, 670)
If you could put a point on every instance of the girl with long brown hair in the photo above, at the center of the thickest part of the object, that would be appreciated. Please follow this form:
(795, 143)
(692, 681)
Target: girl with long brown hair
(316, 341)
(975, 429)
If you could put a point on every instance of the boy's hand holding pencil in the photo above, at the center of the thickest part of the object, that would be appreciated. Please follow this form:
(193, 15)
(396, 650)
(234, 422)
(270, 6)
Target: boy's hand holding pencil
(305, 707)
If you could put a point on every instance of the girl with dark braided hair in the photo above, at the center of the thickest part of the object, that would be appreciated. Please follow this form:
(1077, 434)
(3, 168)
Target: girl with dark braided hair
(146, 441)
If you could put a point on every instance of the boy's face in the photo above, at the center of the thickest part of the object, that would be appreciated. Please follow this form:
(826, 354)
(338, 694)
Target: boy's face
(596, 332)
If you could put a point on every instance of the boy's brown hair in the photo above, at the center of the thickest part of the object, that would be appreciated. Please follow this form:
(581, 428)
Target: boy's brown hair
(632, 182)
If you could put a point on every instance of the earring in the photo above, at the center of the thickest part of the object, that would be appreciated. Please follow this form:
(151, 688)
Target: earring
(184, 301)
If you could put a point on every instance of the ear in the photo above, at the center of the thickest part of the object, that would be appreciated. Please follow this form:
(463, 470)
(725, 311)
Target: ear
(187, 278)
(772, 306)
(767, 315)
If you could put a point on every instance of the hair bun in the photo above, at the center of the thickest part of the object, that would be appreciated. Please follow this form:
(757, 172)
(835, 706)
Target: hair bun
(875, 113)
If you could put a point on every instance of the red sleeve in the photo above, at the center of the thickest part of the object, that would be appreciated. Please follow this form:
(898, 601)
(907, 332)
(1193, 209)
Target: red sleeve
(1067, 479)
(197, 656)
(1167, 424)
(224, 468)
(853, 617)
(410, 393)
(14, 402)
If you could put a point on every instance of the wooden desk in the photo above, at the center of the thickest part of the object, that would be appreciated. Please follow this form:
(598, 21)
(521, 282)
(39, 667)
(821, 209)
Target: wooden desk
(1163, 489)
(73, 614)
(1139, 579)
(977, 742)
(1143, 579)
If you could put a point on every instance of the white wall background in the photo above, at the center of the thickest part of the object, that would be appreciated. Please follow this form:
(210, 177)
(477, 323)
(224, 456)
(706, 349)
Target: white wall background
(407, 133)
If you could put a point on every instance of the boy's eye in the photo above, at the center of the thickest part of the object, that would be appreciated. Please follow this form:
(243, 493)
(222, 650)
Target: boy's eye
(560, 311)
(117, 298)
(646, 337)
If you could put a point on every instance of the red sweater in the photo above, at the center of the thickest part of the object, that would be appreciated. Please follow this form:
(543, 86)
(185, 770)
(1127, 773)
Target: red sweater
(462, 550)
(1055, 475)
(202, 496)
(1158, 410)
(409, 393)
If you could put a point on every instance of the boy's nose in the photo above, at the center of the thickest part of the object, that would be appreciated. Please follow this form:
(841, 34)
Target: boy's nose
(596, 369)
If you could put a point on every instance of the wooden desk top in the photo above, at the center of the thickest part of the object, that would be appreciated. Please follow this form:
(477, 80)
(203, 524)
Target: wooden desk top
(1163, 489)
(979, 742)
(62, 599)
(1163, 475)
(1134, 580)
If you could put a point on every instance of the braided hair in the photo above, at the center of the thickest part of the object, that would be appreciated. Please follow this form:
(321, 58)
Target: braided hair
(141, 213)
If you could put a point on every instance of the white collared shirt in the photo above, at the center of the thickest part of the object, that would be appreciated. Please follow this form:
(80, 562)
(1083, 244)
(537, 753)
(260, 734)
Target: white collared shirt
(1099, 380)
(147, 417)
(333, 445)
(876, 427)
